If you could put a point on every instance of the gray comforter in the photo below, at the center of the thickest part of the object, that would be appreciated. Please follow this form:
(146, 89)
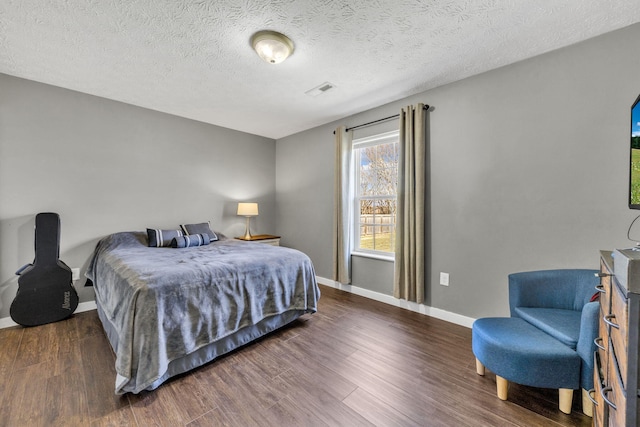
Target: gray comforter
(166, 303)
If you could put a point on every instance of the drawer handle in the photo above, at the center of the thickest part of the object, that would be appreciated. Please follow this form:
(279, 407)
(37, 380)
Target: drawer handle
(590, 394)
(600, 288)
(603, 393)
(607, 320)
(601, 275)
(598, 343)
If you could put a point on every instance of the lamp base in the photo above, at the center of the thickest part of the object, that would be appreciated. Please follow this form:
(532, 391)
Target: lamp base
(247, 232)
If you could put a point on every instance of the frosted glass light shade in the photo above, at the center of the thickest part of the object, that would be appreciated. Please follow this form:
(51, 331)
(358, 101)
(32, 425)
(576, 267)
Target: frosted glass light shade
(247, 209)
(271, 46)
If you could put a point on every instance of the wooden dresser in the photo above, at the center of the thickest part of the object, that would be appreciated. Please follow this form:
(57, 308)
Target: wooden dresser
(616, 370)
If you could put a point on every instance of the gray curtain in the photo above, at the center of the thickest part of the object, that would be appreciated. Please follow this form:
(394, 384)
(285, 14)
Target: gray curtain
(342, 207)
(409, 272)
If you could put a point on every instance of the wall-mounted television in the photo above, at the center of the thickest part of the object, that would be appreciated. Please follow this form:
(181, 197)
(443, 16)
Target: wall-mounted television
(634, 169)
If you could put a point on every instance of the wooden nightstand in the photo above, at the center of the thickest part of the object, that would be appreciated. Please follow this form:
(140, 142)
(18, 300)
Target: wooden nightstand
(263, 238)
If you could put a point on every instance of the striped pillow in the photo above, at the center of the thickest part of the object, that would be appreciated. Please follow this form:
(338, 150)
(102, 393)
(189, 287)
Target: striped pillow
(159, 238)
(202, 228)
(190, 240)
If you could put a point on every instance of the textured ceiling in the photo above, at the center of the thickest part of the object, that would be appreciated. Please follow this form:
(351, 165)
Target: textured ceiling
(192, 58)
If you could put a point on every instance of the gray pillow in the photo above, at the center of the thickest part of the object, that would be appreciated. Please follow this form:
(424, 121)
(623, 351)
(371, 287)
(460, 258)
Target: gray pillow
(159, 238)
(201, 228)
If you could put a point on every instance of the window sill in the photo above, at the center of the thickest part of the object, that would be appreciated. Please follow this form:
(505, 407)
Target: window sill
(388, 258)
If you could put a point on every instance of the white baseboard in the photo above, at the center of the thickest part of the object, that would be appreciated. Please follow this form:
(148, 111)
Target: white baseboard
(7, 322)
(412, 306)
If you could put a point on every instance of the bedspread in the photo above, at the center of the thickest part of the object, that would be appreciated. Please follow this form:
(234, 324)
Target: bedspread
(166, 303)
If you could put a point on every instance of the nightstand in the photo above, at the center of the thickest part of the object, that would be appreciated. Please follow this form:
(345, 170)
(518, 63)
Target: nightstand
(263, 238)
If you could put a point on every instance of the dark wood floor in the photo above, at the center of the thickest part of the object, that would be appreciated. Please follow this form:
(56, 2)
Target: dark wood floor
(355, 362)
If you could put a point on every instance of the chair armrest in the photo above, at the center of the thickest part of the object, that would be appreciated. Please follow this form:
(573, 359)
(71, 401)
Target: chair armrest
(586, 345)
(588, 330)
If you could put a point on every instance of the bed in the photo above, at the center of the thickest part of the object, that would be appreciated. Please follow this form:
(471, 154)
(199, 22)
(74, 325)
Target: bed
(166, 311)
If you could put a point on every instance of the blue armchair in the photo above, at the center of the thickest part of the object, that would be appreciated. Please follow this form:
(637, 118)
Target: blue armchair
(549, 339)
(558, 303)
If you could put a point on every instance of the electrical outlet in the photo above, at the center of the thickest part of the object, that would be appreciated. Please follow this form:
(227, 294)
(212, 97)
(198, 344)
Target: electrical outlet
(75, 273)
(444, 279)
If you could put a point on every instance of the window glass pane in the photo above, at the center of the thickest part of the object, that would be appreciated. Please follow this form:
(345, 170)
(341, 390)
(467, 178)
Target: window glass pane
(386, 162)
(385, 206)
(384, 224)
(367, 171)
(366, 208)
(376, 178)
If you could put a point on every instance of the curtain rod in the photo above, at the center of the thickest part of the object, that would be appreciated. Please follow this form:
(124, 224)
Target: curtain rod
(426, 107)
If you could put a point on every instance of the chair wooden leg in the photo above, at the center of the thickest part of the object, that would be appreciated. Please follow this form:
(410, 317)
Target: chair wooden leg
(479, 367)
(566, 399)
(503, 387)
(587, 404)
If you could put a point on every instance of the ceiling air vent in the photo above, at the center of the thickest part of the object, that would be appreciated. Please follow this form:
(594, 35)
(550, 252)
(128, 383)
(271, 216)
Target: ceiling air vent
(319, 90)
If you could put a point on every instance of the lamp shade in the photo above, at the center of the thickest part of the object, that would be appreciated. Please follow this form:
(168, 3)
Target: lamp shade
(247, 209)
(272, 46)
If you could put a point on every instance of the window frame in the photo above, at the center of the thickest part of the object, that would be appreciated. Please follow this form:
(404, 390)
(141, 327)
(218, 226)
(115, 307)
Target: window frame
(356, 145)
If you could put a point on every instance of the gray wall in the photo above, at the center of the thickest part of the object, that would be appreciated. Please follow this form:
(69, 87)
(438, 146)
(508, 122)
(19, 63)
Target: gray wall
(106, 166)
(529, 170)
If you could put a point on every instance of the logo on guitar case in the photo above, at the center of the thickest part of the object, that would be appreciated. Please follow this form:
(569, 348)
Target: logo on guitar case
(67, 300)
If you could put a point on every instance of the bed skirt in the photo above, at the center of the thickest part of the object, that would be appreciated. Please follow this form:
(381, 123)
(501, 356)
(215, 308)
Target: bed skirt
(204, 354)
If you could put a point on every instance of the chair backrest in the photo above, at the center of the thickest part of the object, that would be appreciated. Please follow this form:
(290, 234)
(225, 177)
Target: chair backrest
(568, 289)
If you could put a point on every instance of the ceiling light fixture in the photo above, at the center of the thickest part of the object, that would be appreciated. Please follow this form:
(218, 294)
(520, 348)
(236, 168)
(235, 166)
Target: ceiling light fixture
(272, 46)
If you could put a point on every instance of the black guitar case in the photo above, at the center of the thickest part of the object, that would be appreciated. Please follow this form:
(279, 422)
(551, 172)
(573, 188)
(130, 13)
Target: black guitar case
(45, 288)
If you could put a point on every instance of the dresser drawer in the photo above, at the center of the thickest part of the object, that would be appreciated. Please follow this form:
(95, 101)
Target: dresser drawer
(605, 304)
(600, 374)
(615, 394)
(620, 332)
(603, 338)
(272, 242)
(605, 288)
(600, 408)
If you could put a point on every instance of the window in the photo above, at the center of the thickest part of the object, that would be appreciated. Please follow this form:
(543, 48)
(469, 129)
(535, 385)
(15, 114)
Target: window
(376, 179)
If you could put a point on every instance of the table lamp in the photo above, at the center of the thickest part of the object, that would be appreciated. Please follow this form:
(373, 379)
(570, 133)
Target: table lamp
(247, 210)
